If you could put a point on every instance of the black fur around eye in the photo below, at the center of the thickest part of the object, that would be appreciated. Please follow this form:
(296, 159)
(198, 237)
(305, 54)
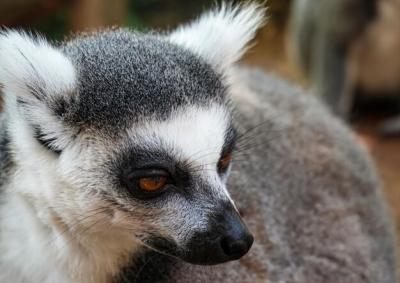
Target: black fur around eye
(46, 142)
(147, 183)
(227, 151)
(224, 162)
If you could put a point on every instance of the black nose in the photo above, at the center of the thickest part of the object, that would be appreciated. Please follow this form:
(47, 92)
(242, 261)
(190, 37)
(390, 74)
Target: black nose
(236, 239)
(226, 239)
(236, 247)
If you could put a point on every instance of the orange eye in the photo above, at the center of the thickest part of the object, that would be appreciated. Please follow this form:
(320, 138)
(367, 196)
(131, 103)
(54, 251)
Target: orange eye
(152, 184)
(224, 162)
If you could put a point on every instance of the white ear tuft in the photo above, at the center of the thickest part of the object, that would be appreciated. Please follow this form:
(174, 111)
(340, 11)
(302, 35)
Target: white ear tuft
(39, 79)
(32, 68)
(221, 36)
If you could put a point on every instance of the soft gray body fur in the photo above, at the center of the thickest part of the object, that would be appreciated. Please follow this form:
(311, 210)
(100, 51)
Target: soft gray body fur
(312, 197)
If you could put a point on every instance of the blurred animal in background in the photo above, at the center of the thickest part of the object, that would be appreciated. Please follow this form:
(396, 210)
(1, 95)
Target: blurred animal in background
(323, 32)
(348, 45)
(122, 160)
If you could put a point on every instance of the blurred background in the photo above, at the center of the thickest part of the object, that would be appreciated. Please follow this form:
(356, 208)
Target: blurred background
(344, 51)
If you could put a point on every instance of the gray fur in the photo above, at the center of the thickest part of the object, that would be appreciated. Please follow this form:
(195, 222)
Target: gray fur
(140, 74)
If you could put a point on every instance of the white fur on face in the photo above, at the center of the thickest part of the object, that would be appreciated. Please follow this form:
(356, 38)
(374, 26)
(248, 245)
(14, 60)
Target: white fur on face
(195, 134)
(221, 36)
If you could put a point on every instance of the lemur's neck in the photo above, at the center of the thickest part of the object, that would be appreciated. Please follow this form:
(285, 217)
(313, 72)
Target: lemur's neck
(36, 246)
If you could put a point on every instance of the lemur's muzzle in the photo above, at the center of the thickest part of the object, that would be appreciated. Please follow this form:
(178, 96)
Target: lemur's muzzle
(226, 239)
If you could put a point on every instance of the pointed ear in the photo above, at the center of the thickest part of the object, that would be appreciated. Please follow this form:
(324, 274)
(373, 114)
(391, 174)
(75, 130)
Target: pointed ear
(31, 69)
(38, 79)
(221, 36)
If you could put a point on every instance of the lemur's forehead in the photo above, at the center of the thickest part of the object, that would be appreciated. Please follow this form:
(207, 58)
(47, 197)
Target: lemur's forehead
(124, 77)
(195, 134)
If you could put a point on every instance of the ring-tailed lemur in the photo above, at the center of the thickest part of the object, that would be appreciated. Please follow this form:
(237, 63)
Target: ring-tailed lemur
(115, 151)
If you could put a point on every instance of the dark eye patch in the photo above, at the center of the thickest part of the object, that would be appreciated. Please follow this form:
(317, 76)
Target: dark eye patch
(137, 163)
(224, 162)
(147, 183)
(227, 149)
(44, 141)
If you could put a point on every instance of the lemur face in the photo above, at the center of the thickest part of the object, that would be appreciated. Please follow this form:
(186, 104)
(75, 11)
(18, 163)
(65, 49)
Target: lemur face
(131, 135)
(164, 182)
(159, 116)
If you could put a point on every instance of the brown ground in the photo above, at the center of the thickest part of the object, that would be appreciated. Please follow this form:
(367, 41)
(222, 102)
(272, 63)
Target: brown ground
(270, 53)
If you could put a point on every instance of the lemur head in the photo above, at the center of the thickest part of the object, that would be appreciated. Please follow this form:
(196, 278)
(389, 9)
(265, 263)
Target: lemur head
(129, 136)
